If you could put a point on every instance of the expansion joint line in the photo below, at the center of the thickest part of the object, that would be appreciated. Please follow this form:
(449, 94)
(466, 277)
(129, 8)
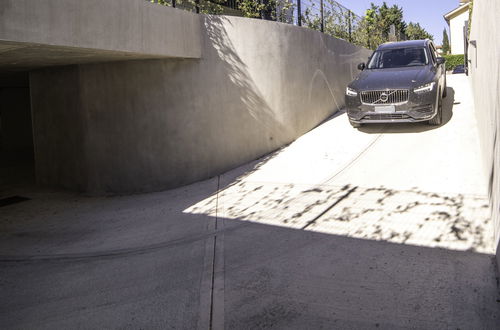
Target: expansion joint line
(356, 157)
(214, 254)
(217, 202)
(341, 198)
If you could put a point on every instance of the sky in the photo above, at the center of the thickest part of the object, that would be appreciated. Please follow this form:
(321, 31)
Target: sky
(428, 13)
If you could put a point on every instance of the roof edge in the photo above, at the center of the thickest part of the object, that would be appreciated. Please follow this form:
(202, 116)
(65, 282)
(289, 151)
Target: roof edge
(455, 11)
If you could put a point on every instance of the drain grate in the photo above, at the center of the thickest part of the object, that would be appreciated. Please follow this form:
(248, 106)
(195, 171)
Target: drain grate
(13, 200)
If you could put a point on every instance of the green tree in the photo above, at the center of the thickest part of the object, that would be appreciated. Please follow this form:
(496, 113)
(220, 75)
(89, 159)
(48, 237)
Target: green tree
(251, 8)
(372, 27)
(205, 7)
(415, 32)
(446, 42)
(161, 2)
(391, 16)
(276, 10)
(337, 20)
(376, 24)
(311, 20)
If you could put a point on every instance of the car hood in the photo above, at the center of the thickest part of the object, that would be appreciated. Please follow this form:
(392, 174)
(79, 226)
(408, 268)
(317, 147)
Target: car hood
(395, 78)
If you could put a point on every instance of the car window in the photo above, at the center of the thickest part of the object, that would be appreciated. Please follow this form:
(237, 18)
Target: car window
(433, 53)
(398, 57)
(433, 57)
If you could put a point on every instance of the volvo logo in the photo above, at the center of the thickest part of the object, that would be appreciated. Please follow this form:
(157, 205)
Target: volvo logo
(384, 97)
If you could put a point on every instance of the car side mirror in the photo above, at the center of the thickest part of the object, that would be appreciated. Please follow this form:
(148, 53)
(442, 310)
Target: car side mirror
(361, 66)
(441, 60)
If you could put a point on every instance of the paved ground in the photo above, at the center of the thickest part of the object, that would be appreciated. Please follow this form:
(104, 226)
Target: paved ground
(381, 227)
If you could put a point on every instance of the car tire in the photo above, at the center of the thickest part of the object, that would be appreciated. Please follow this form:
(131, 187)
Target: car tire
(439, 116)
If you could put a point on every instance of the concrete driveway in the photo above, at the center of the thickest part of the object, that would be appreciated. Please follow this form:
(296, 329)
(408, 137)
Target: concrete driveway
(382, 227)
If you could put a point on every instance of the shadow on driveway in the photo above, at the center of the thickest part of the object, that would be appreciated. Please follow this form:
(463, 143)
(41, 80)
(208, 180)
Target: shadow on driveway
(239, 254)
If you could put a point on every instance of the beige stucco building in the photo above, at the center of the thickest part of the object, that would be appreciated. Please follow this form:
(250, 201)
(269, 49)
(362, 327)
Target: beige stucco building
(457, 19)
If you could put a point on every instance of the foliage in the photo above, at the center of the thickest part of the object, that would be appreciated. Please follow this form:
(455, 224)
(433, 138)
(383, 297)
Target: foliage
(269, 9)
(415, 32)
(311, 20)
(376, 24)
(161, 2)
(339, 24)
(276, 10)
(471, 8)
(446, 42)
(337, 20)
(391, 16)
(251, 8)
(372, 27)
(206, 7)
(369, 31)
(453, 60)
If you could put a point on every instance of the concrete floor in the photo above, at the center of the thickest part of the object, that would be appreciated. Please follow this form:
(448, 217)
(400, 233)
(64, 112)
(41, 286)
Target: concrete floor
(382, 227)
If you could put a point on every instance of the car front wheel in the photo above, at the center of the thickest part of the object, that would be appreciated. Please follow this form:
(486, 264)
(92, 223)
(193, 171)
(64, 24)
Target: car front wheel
(439, 115)
(445, 87)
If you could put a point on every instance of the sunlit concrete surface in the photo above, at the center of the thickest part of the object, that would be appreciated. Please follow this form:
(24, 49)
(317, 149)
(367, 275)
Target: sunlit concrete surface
(382, 227)
(407, 183)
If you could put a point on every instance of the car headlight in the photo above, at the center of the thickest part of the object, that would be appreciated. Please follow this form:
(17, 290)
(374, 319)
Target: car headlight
(350, 92)
(425, 88)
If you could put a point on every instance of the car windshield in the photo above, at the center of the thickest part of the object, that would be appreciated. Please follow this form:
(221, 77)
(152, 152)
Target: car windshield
(398, 57)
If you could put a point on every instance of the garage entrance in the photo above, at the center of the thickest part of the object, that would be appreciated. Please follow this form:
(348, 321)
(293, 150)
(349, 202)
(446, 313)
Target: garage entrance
(16, 132)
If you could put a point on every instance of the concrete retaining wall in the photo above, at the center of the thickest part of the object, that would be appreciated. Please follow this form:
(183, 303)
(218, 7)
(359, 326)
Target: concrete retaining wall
(484, 55)
(150, 125)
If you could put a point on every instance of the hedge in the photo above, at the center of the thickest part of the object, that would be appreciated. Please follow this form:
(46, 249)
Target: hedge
(453, 60)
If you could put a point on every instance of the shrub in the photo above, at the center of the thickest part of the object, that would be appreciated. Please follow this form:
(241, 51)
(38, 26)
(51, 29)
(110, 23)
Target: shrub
(453, 60)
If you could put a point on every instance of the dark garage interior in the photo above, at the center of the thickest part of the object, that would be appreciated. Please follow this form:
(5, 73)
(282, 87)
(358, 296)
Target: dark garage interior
(16, 132)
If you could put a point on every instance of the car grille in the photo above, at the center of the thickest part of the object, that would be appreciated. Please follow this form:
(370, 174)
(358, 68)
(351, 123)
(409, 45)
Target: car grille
(393, 96)
(385, 116)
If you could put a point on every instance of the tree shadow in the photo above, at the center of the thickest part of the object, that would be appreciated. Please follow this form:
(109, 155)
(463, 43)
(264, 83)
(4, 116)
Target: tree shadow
(223, 52)
(396, 128)
(265, 118)
(290, 256)
(152, 256)
(415, 217)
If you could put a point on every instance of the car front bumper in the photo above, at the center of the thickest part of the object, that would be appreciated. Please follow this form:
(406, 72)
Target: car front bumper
(418, 108)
